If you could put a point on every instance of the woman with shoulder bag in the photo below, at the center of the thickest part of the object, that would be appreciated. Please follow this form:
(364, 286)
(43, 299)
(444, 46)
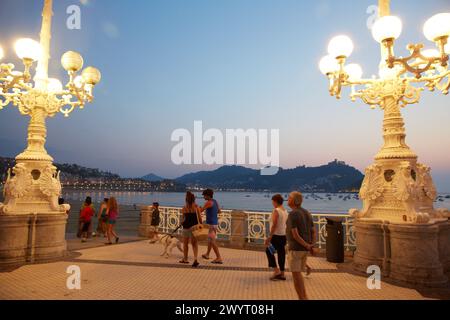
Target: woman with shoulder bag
(191, 218)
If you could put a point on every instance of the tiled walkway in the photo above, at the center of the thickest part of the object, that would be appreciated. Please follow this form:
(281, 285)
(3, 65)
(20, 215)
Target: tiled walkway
(136, 270)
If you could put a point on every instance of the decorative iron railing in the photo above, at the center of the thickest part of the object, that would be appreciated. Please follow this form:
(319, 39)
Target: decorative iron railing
(257, 225)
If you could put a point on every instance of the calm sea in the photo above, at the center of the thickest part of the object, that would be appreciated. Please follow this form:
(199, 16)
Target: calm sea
(257, 201)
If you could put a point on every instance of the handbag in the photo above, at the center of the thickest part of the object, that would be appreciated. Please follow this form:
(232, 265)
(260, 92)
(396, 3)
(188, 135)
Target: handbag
(200, 231)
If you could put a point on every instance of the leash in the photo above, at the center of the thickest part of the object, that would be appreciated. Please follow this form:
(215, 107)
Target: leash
(171, 234)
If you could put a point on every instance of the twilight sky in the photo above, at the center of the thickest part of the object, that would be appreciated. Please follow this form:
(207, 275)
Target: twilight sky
(230, 63)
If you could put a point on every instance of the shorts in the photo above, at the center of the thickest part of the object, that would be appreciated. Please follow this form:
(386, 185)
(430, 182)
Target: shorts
(212, 234)
(187, 233)
(86, 226)
(297, 260)
(111, 221)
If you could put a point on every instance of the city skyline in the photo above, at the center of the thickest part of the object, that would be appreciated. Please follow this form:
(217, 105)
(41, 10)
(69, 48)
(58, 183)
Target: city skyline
(230, 64)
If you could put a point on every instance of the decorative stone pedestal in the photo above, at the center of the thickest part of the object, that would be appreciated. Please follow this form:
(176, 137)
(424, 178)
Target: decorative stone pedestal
(416, 254)
(31, 238)
(32, 223)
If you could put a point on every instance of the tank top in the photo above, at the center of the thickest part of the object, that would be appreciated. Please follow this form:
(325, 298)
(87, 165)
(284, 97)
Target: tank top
(280, 229)
(190, 220)
(211, 214)
(113, 214)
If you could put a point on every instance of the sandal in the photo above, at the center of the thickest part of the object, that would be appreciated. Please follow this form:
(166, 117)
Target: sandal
(195, 264)
(280, 277)
(217, 261)
(277, 277)
(183, 261)
(108, 243)
(204, 256)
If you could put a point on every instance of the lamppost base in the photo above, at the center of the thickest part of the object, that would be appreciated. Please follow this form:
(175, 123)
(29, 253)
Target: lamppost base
(31, 238)
(413, 254)
(32, 223)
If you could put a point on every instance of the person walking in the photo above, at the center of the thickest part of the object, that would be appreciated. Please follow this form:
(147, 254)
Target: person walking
(212, 210)
(300, 235)
(80, 221)
(86, 214)
(191, 217)
(113, 213)
(276, 241)
(102, 218)
(154, 223)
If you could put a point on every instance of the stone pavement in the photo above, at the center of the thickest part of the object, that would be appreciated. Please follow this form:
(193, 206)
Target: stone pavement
(135, 270)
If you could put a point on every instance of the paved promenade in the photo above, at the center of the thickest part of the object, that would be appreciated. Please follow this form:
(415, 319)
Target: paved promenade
(135, 270)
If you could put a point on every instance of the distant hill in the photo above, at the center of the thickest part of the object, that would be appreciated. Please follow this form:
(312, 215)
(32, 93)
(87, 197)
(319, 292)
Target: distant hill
(152, 177)
(77, 177)
(335, 176)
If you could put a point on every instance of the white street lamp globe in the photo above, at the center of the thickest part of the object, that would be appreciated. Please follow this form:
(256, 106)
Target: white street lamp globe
(437, 26)
(54, 85)
(28, 49)
(2, 54)
(387, 27)
(78, 81)
(431, 53)
(354, 71)
(91, 75)
(340, 46)
(328, 65)
(388, 73)
(72, 61)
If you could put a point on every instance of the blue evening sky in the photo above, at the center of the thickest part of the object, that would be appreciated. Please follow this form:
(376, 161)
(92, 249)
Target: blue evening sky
(230, 63)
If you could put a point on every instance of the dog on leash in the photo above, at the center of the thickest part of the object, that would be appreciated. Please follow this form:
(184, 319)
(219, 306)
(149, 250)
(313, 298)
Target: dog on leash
(169, 242)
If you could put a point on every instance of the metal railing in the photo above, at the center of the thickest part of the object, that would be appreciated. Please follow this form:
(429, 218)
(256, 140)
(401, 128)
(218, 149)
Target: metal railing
(257, 225)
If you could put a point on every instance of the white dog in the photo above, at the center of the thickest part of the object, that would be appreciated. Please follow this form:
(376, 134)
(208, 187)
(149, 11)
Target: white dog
(169, 242)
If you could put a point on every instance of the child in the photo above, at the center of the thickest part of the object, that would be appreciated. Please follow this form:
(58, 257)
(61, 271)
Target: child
(85, 217)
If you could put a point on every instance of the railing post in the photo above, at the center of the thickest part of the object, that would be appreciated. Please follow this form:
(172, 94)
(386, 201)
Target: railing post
(145, 224)
(238, 226)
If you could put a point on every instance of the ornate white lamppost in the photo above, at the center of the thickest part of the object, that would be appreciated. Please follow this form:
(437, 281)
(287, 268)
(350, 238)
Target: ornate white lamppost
(397, 229)
(32, 224)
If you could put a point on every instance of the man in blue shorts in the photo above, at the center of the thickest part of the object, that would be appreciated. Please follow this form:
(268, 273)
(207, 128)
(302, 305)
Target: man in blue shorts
(212, 210)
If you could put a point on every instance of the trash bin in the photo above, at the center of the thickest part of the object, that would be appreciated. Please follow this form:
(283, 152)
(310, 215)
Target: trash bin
(335, 240)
